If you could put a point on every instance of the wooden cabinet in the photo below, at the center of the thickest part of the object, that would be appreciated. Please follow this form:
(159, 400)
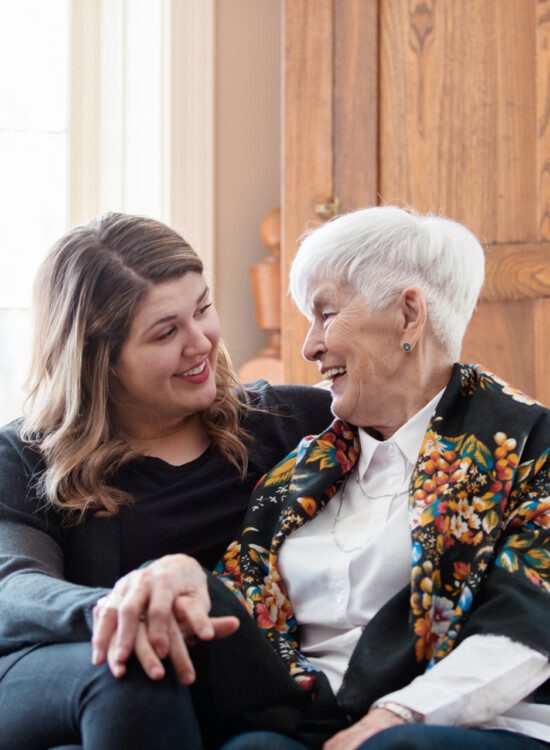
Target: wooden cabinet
(443, 105)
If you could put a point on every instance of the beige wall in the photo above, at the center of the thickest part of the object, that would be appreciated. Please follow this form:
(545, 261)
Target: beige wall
(247, 148)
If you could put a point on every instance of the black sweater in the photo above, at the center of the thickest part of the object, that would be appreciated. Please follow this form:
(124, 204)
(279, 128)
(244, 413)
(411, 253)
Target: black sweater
(51, 576)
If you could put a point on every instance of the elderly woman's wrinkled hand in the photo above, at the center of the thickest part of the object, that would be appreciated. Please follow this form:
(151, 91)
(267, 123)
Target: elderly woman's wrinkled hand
(149, 659)
(375, 721)
(154, 611)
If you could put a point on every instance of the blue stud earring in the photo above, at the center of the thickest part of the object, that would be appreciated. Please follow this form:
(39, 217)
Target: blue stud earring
(407, 347)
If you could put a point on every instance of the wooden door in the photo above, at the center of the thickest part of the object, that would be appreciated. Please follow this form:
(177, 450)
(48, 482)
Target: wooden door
(443, 105)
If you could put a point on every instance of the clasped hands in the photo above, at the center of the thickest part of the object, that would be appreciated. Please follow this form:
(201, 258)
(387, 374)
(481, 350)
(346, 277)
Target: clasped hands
(157, 612)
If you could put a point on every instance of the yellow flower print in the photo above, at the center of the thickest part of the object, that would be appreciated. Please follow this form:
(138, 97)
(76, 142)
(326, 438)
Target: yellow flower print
(309, 504)
(516, 394)
(458, 527)
(276, 600)
(465, 509)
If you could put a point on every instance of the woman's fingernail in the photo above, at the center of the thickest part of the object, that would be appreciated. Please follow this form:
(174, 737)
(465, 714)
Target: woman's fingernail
(95, 656)
(155, 673)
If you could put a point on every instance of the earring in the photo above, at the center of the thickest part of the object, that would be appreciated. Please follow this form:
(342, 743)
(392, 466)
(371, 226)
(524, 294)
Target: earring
(407, 347)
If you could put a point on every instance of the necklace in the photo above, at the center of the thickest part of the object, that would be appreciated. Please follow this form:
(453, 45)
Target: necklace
(333, 530)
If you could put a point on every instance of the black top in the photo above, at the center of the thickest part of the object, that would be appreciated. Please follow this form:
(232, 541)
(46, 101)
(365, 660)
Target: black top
(51, 575)
(196, 508)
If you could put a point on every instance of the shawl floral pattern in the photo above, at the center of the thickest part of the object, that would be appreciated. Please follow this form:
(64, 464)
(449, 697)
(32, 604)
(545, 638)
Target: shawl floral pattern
(479, 506)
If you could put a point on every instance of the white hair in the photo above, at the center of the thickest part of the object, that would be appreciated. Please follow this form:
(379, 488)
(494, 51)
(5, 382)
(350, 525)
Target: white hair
(382, 250)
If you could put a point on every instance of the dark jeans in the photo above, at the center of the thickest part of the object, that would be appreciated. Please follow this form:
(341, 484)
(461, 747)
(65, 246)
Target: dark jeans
(406, 737)
(54, 696)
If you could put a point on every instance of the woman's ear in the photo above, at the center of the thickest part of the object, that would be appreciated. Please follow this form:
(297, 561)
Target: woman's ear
(414, 316)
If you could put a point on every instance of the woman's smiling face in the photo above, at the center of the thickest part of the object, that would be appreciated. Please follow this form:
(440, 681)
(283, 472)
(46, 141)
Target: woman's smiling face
(166, 369)
(357, 351)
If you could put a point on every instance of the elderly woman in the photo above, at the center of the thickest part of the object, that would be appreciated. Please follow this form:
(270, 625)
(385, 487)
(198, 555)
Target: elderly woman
(398, 564)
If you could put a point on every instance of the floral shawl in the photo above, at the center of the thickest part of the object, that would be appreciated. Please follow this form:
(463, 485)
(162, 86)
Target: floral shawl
(479, 516)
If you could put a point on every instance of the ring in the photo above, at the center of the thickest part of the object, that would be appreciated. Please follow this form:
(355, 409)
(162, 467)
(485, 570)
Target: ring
(111, 601)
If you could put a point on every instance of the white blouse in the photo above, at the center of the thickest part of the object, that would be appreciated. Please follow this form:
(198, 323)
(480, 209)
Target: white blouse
(335, 593)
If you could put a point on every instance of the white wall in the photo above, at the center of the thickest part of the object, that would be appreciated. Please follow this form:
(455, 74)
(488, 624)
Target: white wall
(247, 160)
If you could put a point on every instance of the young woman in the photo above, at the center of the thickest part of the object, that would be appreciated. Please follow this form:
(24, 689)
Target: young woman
(138, 443)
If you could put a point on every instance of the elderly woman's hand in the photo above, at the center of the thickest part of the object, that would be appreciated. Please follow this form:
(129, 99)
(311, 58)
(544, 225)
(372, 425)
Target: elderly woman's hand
(375, 721)
(178, 654)
(153, 610)
(149, 659)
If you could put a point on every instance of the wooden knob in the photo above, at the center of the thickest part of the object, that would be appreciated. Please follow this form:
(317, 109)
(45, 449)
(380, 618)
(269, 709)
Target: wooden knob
(328, 209)
(270, 233)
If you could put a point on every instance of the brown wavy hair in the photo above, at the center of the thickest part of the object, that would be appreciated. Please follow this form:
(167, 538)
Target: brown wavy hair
(86, 292)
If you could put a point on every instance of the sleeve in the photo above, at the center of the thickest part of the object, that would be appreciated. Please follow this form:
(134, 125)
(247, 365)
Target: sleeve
(456, 692)
(37, 604)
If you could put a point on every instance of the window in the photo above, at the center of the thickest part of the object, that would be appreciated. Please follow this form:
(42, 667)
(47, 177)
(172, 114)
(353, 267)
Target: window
(108, 105)
(34, 41)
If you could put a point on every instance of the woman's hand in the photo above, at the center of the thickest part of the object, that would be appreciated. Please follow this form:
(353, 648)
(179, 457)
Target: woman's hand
(153, 603)
(375, 721)
(149, 659)
(178, 653)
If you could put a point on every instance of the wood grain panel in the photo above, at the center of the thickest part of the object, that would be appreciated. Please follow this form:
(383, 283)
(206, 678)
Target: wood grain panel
(515, 272)
(542, 350)
(463, 129)
(542, 309)
(457, 112)
(356, 103)
(308, 138)
(543, 118)
(501, 337)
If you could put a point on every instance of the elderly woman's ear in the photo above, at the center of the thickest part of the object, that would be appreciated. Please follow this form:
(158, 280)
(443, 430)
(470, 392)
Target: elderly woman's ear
(413, 316)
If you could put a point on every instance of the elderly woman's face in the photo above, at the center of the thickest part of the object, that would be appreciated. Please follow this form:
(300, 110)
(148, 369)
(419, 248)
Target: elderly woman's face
(358, 352)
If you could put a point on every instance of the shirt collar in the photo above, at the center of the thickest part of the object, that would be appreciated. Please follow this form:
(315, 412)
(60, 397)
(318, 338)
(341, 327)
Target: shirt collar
(408, 437)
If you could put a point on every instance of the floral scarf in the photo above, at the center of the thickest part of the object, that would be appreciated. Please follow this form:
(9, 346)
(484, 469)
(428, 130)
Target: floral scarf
(479, 516)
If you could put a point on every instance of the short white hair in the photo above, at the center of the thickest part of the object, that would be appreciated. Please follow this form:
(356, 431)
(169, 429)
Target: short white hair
(382, 250)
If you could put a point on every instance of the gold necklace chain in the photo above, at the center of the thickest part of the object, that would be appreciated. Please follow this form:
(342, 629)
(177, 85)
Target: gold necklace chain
(333, 531)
